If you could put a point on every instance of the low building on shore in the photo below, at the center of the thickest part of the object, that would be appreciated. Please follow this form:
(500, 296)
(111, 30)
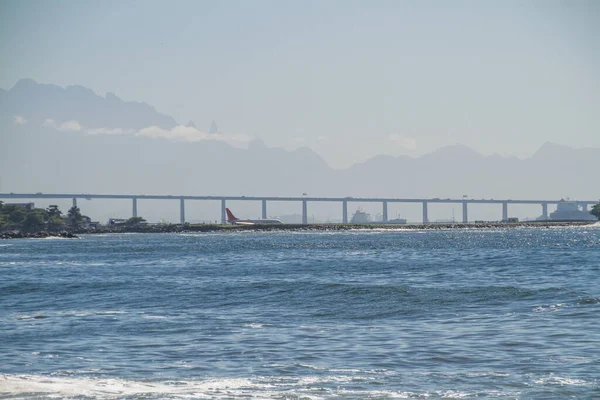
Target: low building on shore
(23, 206)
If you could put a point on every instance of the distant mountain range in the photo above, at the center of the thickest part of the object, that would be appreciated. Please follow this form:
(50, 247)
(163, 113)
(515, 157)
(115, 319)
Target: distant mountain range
(61, 156)
(38, 102)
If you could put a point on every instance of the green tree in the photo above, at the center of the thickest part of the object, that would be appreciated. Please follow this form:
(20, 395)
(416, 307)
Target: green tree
(75, 216)
(16, 215)
(55, 223)
(53, 211)
(596, 211)
(34, 221)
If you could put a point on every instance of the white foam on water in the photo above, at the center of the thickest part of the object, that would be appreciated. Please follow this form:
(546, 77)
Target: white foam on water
(81, 264)
(480, 374)
(110, 312)
(453, 395)
(550, 308)
(117, 388)
(254, 326)
(484, 374)
(308, 387)
(557, 380)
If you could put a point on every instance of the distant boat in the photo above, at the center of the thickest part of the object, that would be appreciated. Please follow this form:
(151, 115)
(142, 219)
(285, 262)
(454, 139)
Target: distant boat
(568, 210)
(363, 217)
(395, 221)
(360, 217)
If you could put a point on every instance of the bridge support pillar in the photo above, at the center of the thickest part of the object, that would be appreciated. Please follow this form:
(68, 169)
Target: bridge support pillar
(425, 217)
(584, 207)
(134, 207)
(504, 211)
(264, 209)
(545, 211)
(385, 213)
(223, 214)
(344, 212)
(181, 211)
(304, 213)
(74, 201)
(465, 214)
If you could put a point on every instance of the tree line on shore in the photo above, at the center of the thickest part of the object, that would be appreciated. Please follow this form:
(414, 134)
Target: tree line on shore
(24, 218)
(21, 217)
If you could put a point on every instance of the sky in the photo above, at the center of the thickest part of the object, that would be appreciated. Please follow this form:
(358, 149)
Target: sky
(349, 79)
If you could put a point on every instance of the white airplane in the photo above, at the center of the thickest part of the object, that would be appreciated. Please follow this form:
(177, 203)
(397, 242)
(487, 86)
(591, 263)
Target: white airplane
(233, 220)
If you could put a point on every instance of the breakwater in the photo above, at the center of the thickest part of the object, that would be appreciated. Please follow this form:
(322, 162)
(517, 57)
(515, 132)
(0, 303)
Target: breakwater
(176, 228)
(39, 235)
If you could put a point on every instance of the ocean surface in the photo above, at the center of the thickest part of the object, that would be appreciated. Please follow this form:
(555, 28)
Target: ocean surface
(379, 314)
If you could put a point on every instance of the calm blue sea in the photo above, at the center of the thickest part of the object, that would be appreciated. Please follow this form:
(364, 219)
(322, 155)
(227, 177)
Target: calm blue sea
(381, 314)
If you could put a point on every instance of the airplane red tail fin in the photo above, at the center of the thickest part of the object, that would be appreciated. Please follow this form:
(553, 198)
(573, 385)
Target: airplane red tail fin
(230, 216)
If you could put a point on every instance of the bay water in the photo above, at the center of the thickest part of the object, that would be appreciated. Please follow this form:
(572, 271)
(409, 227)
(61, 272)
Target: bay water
(377, 314)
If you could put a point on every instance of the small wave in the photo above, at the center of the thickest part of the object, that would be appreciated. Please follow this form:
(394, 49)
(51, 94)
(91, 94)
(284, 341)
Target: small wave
(589, 300)
(550, 308)
(557, 380)
(480, 374)
(69, 313)
(38, 316)
(254, 326)
(110, 312)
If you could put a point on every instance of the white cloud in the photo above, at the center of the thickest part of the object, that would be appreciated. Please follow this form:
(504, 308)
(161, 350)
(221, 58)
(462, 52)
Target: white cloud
(182, 133)
(298, 140)
(67, 126)
(70, 126)
(405, 142)
(179, 133)
(19, 120)
(109, 131)
(322, 138)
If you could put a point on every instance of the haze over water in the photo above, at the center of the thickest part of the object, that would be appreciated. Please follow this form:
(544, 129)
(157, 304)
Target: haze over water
(507, 314)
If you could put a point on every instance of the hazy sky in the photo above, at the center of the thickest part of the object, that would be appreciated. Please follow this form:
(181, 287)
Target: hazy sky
(349, 79)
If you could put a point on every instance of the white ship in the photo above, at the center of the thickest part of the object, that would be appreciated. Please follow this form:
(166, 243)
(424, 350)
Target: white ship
(568, 210)
(360, 217)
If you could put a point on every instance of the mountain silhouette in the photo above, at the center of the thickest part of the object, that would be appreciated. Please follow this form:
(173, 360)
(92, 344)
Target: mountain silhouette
(39, 102)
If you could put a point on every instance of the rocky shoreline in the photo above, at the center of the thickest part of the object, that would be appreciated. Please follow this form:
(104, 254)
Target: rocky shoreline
(36, 235)
(175, 228)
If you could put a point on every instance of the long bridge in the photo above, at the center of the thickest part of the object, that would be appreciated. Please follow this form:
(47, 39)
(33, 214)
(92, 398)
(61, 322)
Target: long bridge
(304, 200)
